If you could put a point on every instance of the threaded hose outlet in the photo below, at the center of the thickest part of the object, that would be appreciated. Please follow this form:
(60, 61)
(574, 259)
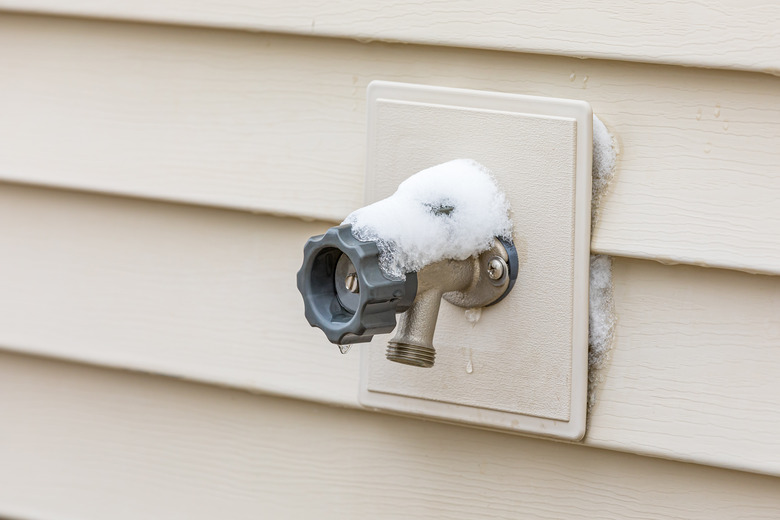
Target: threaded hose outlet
(414, 355)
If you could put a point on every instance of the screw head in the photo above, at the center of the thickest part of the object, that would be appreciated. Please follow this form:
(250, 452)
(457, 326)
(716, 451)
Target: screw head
(496, 268)
(351, 283)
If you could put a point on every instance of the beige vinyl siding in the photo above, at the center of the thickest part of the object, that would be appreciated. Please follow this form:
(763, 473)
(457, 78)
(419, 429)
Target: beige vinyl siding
(209, 295)
(109, 444)
(720, 33)
(158, 182)
(276, 124)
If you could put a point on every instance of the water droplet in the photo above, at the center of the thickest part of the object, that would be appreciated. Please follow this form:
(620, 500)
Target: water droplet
(572, 76)
(707, 147)
(469, 367)
(698, 115)
(585, 81)
(473, 315)
(725, 125)
(717, 110)
(344, 348)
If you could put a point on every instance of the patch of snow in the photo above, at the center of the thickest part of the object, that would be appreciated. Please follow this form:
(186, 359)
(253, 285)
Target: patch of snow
(453, 210)
(601, 309)
(604, 162)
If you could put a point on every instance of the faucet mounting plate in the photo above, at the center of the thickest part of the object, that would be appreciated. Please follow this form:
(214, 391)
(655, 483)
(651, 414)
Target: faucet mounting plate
(519, 365)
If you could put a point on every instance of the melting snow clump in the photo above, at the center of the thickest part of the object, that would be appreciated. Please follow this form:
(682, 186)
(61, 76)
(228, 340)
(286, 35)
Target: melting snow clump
(601, 304)
(453, 210)
(604, 162)
(601, 314)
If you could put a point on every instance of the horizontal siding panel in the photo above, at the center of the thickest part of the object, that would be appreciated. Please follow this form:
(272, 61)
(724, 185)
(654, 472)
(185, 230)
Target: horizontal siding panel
(209, 295)
(721, 33)
(196, 293)
(275, 124)
(101, 444)
(695, 371)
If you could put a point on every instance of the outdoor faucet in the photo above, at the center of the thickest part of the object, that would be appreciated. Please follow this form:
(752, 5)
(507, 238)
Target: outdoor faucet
(347, 295)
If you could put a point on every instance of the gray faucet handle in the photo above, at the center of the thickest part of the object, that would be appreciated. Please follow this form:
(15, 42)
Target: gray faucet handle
(345, 292)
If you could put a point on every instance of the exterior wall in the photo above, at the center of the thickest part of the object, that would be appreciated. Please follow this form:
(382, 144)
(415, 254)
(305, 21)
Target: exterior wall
(91, 443)
(238, 142)
(723, 33)
(208, 294)
(229, 119)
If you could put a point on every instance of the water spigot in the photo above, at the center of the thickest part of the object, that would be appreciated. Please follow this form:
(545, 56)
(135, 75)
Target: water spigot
(346, 294)
(446, 230)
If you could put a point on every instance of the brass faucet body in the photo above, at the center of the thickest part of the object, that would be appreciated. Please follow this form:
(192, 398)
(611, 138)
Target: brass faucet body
(478, 281)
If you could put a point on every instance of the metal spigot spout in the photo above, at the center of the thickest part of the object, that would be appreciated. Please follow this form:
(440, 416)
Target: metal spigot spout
(413, 340)
(475, 282)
